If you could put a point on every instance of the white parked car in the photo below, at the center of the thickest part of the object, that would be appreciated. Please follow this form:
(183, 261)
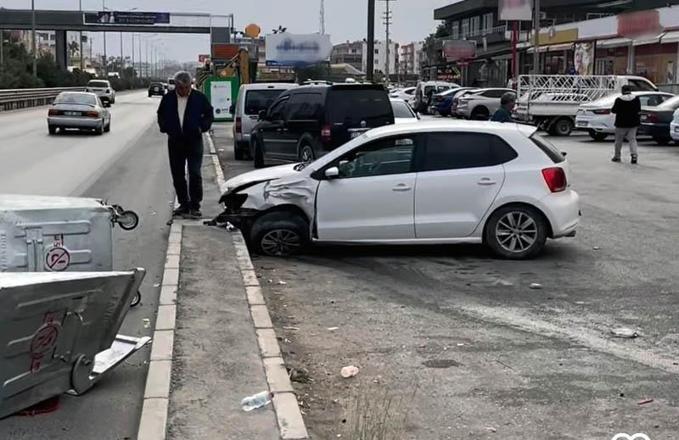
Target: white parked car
(103, 90)
(429, 182)
(403, 113)
(481, 104)
(597, 119)
(252, 99)
(407, 94)
(674, 126)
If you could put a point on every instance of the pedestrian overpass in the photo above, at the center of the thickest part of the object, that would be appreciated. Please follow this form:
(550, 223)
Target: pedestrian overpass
(219, 27)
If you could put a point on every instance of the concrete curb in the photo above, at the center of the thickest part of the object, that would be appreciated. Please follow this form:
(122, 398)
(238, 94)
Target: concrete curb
(288, 414)
(153, 422)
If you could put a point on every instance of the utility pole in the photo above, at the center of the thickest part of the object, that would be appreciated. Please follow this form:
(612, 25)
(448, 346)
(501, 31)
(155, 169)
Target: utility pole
(132, 59)
(322, 18)
(122, 60)
(536, 36)
(2, 50)
(34, 47)
(387, 24)
(80, 43)
(370, 55)
(103, 4)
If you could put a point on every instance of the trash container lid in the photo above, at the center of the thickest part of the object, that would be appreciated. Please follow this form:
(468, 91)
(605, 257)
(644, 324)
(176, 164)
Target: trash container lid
(18, 279)
(19, 202)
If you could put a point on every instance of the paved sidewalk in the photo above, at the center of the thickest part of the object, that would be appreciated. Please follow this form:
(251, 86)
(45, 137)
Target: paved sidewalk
(216, 356)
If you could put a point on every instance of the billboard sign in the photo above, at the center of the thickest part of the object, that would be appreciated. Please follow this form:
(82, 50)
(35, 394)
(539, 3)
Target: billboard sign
(515, 10)
(202, 58)
(584, 57)
(127, 18)
(640, 23)
(458, 50)
(286, 49)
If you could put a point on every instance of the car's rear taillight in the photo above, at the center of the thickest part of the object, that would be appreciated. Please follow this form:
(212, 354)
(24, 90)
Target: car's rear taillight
(602, 111)
(239, 125)
(555, 178)
(53, 112)
(651, 118)
(326, 134)
(92, 114)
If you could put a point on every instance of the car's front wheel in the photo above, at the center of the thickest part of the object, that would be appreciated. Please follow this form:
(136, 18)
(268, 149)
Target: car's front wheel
(598, 136)
(516, 232)
(279, 234)
(52, 129)
(306, 154)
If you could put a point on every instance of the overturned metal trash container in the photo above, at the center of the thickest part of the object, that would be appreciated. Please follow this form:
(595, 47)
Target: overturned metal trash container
(58, 332)
(56, 234)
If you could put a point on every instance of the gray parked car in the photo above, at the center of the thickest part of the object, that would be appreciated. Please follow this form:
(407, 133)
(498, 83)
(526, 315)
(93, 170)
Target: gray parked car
(81, 110)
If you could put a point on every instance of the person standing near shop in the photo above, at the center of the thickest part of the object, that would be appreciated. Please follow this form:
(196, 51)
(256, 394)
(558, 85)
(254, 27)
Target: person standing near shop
(507, 104)
(627, 110)
(184, 115)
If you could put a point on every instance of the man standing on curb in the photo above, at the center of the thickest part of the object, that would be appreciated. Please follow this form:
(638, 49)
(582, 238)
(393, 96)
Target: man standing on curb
(627, 109)
(184, 115)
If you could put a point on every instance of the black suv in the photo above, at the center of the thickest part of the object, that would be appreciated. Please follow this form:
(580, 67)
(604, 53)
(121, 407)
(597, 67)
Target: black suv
(156, 88)
(306, 122)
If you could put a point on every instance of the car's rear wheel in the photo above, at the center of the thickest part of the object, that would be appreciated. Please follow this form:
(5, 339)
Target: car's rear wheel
(516, 232)
(100, 129)
(480, 114)
(597, 136)
(306, 154)
(562, 127)
(662, 140)
(108, 127)
(52, 129)
(279, 234)
(258, 153)
(238, 153)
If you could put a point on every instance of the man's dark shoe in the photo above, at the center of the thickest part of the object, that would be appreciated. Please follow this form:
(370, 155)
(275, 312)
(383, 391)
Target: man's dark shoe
(195, 214)
(634, 160)
(181, 211)
(615, 159)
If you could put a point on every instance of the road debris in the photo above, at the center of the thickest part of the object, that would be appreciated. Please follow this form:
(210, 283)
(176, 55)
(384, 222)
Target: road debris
(147, 322)
(644, 402)
(289, 327)
(332, 329)
(535, 286)
(282, 283)
(349, 371)
(503, 283)
(255, 401)
(596, 248)
(490, 429)
(624, 332)
(156, 285)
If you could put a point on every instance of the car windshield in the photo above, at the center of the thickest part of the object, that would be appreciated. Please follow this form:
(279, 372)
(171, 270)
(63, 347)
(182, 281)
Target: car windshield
(76, 99)
(98, 83)
(402, 110)
(258, 100)
(670, 104)
(353, 106)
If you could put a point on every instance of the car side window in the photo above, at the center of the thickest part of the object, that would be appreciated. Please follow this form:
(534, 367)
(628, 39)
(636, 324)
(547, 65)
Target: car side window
(304, 106)
(453, 151)
(278, 108)
(379, 158)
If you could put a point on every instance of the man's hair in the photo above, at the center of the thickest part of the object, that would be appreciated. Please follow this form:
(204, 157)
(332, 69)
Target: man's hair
(626, 90)
(507, 98)
(183, 78)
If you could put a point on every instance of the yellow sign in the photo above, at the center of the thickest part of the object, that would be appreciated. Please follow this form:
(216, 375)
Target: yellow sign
(558, 37)
(252, 30)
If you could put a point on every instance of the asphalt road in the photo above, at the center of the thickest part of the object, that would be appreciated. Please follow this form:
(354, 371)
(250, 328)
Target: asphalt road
(127, 166)
(458, 345)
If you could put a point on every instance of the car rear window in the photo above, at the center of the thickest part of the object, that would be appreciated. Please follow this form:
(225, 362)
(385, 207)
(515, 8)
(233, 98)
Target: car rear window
(258, 100)
(353, 106)
(98, 83)
(402, 110)
(548, 148)
(76, 98)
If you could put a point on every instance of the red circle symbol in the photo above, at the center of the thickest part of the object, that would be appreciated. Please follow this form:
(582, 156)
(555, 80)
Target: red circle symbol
(44, 339)
(57, 259)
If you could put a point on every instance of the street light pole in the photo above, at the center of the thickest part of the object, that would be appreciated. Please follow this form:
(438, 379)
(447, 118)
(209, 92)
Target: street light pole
(80, 43)
(370, 56)
(536, 38)
(35, 59)
(103, 4)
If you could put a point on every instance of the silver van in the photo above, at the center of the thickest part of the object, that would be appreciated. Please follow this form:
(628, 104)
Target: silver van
(252, 99)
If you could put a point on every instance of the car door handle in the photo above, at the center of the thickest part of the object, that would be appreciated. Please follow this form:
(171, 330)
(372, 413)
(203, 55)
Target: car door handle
(402, 187)
(486, 181)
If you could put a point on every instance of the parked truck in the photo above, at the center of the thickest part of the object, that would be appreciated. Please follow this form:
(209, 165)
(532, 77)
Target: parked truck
(551, 101)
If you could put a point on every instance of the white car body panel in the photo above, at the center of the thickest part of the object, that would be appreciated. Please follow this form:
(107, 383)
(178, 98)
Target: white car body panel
(369, 210)
(586, 119)
(674, 126)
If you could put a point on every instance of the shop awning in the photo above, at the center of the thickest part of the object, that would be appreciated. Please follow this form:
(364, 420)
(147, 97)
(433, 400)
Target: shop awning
(670, 37)
(614, 42)
(553, 48)
(648, 40)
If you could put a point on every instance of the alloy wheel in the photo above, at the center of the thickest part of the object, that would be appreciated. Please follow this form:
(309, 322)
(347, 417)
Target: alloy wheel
(516, 232)
(307, 154)
(280, 242)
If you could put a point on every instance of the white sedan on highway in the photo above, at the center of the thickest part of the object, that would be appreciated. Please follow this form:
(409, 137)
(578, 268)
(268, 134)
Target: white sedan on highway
(597, 119)
(78, 110)
(428, 182)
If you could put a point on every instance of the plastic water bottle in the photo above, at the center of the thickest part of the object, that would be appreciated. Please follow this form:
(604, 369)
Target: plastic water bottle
(256, 401)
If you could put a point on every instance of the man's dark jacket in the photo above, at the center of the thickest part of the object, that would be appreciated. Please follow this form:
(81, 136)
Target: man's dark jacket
(627, 109)
(197, 118)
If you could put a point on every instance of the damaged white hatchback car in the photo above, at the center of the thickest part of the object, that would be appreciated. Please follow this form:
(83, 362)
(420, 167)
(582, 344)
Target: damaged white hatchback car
(424, 183)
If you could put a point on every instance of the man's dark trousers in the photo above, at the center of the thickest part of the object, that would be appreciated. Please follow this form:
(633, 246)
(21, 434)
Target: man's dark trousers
(187, 154)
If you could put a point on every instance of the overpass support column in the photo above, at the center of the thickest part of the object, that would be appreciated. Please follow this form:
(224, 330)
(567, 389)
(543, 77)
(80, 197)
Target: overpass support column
(61, 52)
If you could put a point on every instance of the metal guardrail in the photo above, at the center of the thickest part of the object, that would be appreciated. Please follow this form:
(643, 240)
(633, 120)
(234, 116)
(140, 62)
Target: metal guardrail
(12, 99)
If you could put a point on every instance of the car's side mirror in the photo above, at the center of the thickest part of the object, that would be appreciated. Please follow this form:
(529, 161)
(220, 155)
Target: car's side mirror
(332, 173)
(232, 109)
(262, 115)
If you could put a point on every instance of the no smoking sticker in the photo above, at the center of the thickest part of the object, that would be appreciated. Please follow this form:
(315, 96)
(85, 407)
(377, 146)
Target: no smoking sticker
(57, 259)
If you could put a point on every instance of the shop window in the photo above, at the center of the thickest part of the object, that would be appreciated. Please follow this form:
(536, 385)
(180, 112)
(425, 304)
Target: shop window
(465, 28)
(475, 26)
(455, 30)
(488, 23)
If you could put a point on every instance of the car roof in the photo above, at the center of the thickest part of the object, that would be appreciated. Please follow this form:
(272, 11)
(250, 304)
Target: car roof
(341, 86)
(264, 86)
(451, 125)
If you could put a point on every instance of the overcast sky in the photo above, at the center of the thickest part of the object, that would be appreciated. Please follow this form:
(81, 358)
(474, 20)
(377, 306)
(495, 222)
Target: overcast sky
(345, 19)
